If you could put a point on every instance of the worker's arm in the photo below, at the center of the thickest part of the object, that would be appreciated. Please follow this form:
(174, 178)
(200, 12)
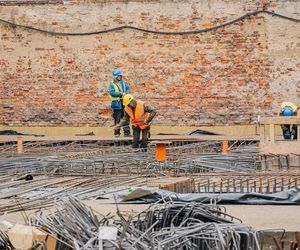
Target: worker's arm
(124, 121)
(152, 112)
(114, 93)
(127, 89)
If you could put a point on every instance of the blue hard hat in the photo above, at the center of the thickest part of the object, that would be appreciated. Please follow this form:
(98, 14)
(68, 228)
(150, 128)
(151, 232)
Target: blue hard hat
(117, 72)
(287, 112)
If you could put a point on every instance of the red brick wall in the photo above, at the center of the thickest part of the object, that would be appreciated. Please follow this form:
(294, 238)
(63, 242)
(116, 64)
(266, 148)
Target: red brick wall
(226, 76)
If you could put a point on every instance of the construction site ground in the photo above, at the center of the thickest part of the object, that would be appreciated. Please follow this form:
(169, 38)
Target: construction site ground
(37, 171)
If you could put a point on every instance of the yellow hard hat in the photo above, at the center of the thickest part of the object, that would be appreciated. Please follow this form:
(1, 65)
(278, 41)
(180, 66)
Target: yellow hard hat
(127, 99)
(290, 105)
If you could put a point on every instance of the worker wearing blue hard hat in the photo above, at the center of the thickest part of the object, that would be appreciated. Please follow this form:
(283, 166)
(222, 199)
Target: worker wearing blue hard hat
(117, 89)
(117, 73)
(288, 109)
(287, 112)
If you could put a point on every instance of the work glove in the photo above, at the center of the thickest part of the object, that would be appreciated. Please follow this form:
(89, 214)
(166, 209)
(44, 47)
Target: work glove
(147, 122)
(139, 123)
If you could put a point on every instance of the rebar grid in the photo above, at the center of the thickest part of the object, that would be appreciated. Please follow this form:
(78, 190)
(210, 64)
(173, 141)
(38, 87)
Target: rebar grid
(43, 191)
(9, 149)
(187, 159)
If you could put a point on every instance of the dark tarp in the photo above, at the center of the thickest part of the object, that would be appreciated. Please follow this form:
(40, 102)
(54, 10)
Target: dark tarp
(87, 134)
(195, 132)
(288, 197)
(10, 132)
(201, 132)
(13, 132)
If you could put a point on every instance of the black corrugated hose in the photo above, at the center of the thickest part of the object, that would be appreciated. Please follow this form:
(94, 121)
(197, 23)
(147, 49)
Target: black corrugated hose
(14, 25)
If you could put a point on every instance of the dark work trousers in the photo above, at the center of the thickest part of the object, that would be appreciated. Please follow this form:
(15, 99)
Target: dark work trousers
(118, 115)
(136, 137)
(288, 133)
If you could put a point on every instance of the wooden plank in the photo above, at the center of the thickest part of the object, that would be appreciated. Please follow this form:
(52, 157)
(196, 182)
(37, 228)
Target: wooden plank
(224, 147)
(262, 134)
(161, 142)
(20, 144)
(6, 138)
(272, 133)
(280, 148)
(280, 120)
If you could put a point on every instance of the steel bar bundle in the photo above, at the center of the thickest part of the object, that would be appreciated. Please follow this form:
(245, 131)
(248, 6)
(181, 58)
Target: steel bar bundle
(5, 243)
(175, 225)
(75, 225)
(171, 225)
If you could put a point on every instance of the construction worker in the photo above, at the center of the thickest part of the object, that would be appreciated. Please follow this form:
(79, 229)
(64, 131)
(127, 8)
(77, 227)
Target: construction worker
(288, 109)
(117, 89)
(140, 115)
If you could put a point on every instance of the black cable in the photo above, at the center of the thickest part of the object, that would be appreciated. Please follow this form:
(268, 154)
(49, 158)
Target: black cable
(14, 25)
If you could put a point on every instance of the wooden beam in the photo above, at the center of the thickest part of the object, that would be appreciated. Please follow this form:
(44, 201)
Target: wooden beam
(281, 120)
(262, 134)
(272, 133)
(285, 147)
(225, 147)
(11, 138)
(20, 144)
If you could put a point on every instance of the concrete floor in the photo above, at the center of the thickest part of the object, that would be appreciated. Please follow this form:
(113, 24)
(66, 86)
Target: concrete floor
(262, 217)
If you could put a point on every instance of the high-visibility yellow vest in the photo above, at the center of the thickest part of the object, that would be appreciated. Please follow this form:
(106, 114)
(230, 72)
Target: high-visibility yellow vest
(138, 118)
(116, 88)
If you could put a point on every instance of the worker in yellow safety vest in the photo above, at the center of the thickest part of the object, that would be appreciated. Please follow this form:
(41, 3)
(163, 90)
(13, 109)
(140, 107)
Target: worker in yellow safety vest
(117, 89)
(288, 109)
(140, 115)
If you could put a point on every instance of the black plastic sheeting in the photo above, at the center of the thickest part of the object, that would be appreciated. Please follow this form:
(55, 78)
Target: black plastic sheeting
(195, 132)
(10, 132)
(288, 197)
(202, 132)
(13, 132)
(87, 134)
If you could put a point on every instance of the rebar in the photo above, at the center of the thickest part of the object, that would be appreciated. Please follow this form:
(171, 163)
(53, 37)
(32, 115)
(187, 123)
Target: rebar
(171, 225)
(5, 243)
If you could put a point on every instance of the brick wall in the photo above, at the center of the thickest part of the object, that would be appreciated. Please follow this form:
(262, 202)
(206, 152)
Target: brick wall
(225, 76)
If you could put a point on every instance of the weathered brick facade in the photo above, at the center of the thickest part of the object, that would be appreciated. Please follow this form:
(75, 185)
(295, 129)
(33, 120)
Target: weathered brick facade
(225, 76)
